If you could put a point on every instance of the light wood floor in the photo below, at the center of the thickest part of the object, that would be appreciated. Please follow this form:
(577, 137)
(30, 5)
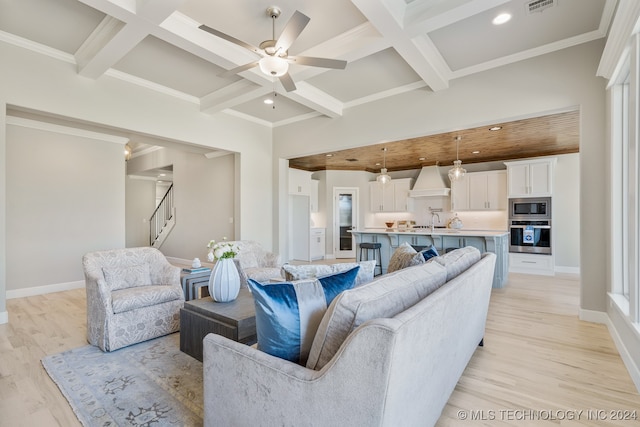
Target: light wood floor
(538, 359)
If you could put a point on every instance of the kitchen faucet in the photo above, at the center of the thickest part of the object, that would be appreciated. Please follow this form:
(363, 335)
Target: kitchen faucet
(434, 215)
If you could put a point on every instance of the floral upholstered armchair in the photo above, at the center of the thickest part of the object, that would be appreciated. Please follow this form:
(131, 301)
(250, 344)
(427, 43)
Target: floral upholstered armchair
(254, 262)
(133, 295)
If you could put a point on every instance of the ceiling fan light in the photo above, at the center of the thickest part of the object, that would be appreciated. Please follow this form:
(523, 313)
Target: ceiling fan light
(273, 66)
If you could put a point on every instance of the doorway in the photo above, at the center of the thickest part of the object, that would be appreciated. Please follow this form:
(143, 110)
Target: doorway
(345, 217)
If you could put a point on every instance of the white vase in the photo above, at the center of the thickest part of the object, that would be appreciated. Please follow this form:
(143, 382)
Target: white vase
(224, 283)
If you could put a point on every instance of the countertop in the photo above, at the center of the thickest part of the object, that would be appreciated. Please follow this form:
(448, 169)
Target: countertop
(436, 232)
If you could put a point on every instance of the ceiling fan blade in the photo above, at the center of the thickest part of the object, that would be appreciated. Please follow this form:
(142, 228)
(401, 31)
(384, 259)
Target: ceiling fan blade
(287, 82)
(318, 62)
(292, 30)
(239, 69)
(229, 38)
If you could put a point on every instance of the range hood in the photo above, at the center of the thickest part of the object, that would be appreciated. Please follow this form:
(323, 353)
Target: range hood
(430, 184)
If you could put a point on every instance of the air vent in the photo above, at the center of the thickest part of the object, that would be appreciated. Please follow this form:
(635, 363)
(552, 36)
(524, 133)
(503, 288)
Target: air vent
(539, 5)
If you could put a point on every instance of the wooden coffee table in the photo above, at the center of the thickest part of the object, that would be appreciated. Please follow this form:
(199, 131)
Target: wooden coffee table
(235, 320)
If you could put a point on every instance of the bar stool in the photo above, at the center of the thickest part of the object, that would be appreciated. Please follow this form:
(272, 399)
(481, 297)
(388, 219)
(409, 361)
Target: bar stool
(364, 254)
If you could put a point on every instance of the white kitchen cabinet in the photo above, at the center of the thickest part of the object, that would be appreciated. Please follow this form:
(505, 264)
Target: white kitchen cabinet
(532, 264)
(480, 191)
(313, 195)
(488, 191)
(381, 197)
(401, 189)
(390, 197)
(317, 243)
(460, 194)
(530, 178)
(299, 182)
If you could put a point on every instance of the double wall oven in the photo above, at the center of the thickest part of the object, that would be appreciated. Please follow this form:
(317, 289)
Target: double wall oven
(530, 225)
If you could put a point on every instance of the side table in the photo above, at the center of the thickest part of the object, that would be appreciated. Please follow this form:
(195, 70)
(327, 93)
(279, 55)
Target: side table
(191, 281)
(235, 320)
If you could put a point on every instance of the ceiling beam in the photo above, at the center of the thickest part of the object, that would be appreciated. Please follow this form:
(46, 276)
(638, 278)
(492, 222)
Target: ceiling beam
(105, 47)
(385, 19)
(231, 96)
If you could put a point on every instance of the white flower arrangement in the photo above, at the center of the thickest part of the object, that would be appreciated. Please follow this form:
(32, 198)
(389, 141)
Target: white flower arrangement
(222, 250)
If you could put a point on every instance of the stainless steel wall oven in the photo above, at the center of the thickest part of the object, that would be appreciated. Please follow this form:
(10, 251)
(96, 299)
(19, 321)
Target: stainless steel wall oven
(530, 225)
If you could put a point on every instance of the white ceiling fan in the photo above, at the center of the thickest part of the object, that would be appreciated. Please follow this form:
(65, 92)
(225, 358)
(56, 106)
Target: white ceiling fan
(275, 57)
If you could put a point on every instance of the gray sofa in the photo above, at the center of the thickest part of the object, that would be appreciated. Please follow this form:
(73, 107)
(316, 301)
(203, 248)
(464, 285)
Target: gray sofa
(387, 353)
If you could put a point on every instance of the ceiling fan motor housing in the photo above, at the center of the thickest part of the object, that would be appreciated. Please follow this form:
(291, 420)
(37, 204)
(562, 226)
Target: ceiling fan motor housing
(273, 11)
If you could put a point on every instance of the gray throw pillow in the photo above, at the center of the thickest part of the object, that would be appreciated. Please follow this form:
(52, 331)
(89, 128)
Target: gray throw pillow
(404, 256)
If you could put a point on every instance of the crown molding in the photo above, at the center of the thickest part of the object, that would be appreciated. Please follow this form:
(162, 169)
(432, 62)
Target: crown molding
(65, 130)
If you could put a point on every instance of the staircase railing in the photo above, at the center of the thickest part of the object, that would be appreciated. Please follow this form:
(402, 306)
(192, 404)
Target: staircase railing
(161, 218)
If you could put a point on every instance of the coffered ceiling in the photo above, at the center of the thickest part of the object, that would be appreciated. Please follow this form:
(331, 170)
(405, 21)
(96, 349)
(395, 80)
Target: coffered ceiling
(391, 47)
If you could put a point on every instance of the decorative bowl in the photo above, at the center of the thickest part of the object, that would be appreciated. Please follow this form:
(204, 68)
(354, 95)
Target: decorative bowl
(389, 224)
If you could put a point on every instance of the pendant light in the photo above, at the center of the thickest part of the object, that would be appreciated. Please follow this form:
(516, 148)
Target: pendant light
(457, 172)
(383, 178)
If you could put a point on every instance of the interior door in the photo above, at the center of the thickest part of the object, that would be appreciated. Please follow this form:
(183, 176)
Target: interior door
(345, 217)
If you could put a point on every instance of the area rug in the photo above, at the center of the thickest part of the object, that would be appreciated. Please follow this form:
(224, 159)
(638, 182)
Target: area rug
(148, 384)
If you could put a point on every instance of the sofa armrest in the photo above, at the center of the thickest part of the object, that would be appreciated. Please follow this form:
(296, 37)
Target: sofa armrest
(170, 275)
(243, 384)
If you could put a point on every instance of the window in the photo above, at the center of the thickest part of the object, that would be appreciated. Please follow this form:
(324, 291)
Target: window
(625, 182)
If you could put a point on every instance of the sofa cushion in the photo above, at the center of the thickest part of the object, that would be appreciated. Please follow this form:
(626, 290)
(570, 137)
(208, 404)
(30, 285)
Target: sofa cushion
(143, 296)
(308, 271)
(288, 314)
(386, 296)
(458, 260)
(121, 277)
(404, 256)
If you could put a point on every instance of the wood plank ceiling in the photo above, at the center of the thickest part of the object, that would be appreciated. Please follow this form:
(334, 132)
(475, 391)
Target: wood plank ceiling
(539, 136)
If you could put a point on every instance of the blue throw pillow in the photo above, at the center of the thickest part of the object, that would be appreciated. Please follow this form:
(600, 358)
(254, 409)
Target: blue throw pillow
(288, 314)
(429, 253)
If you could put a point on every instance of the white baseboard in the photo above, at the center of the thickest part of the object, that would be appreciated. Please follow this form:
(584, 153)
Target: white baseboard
(46, 289)
(627, 359)
(603, 318)
(4, 317)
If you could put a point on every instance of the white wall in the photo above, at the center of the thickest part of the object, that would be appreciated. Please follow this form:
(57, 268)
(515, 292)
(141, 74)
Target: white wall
(140, 200)
(50, 86)
(560, 81)
(566, 213)
(64, 198)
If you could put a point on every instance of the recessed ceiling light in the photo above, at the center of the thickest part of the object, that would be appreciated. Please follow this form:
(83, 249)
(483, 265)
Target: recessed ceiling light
(495, 128)
(501, 19)
(163, 174)
(329, 155)
(475, 152)
(422, 158)
(268, 101)
(377, 164)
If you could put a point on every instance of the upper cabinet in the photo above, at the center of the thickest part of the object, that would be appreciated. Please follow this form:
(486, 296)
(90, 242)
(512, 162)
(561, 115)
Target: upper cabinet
(480, 191)
(530, 178)
(391, 197)
(460, 194)
(299, 182)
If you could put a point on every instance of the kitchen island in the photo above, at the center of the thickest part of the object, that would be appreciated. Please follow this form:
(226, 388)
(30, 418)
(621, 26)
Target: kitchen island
(443, 239)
